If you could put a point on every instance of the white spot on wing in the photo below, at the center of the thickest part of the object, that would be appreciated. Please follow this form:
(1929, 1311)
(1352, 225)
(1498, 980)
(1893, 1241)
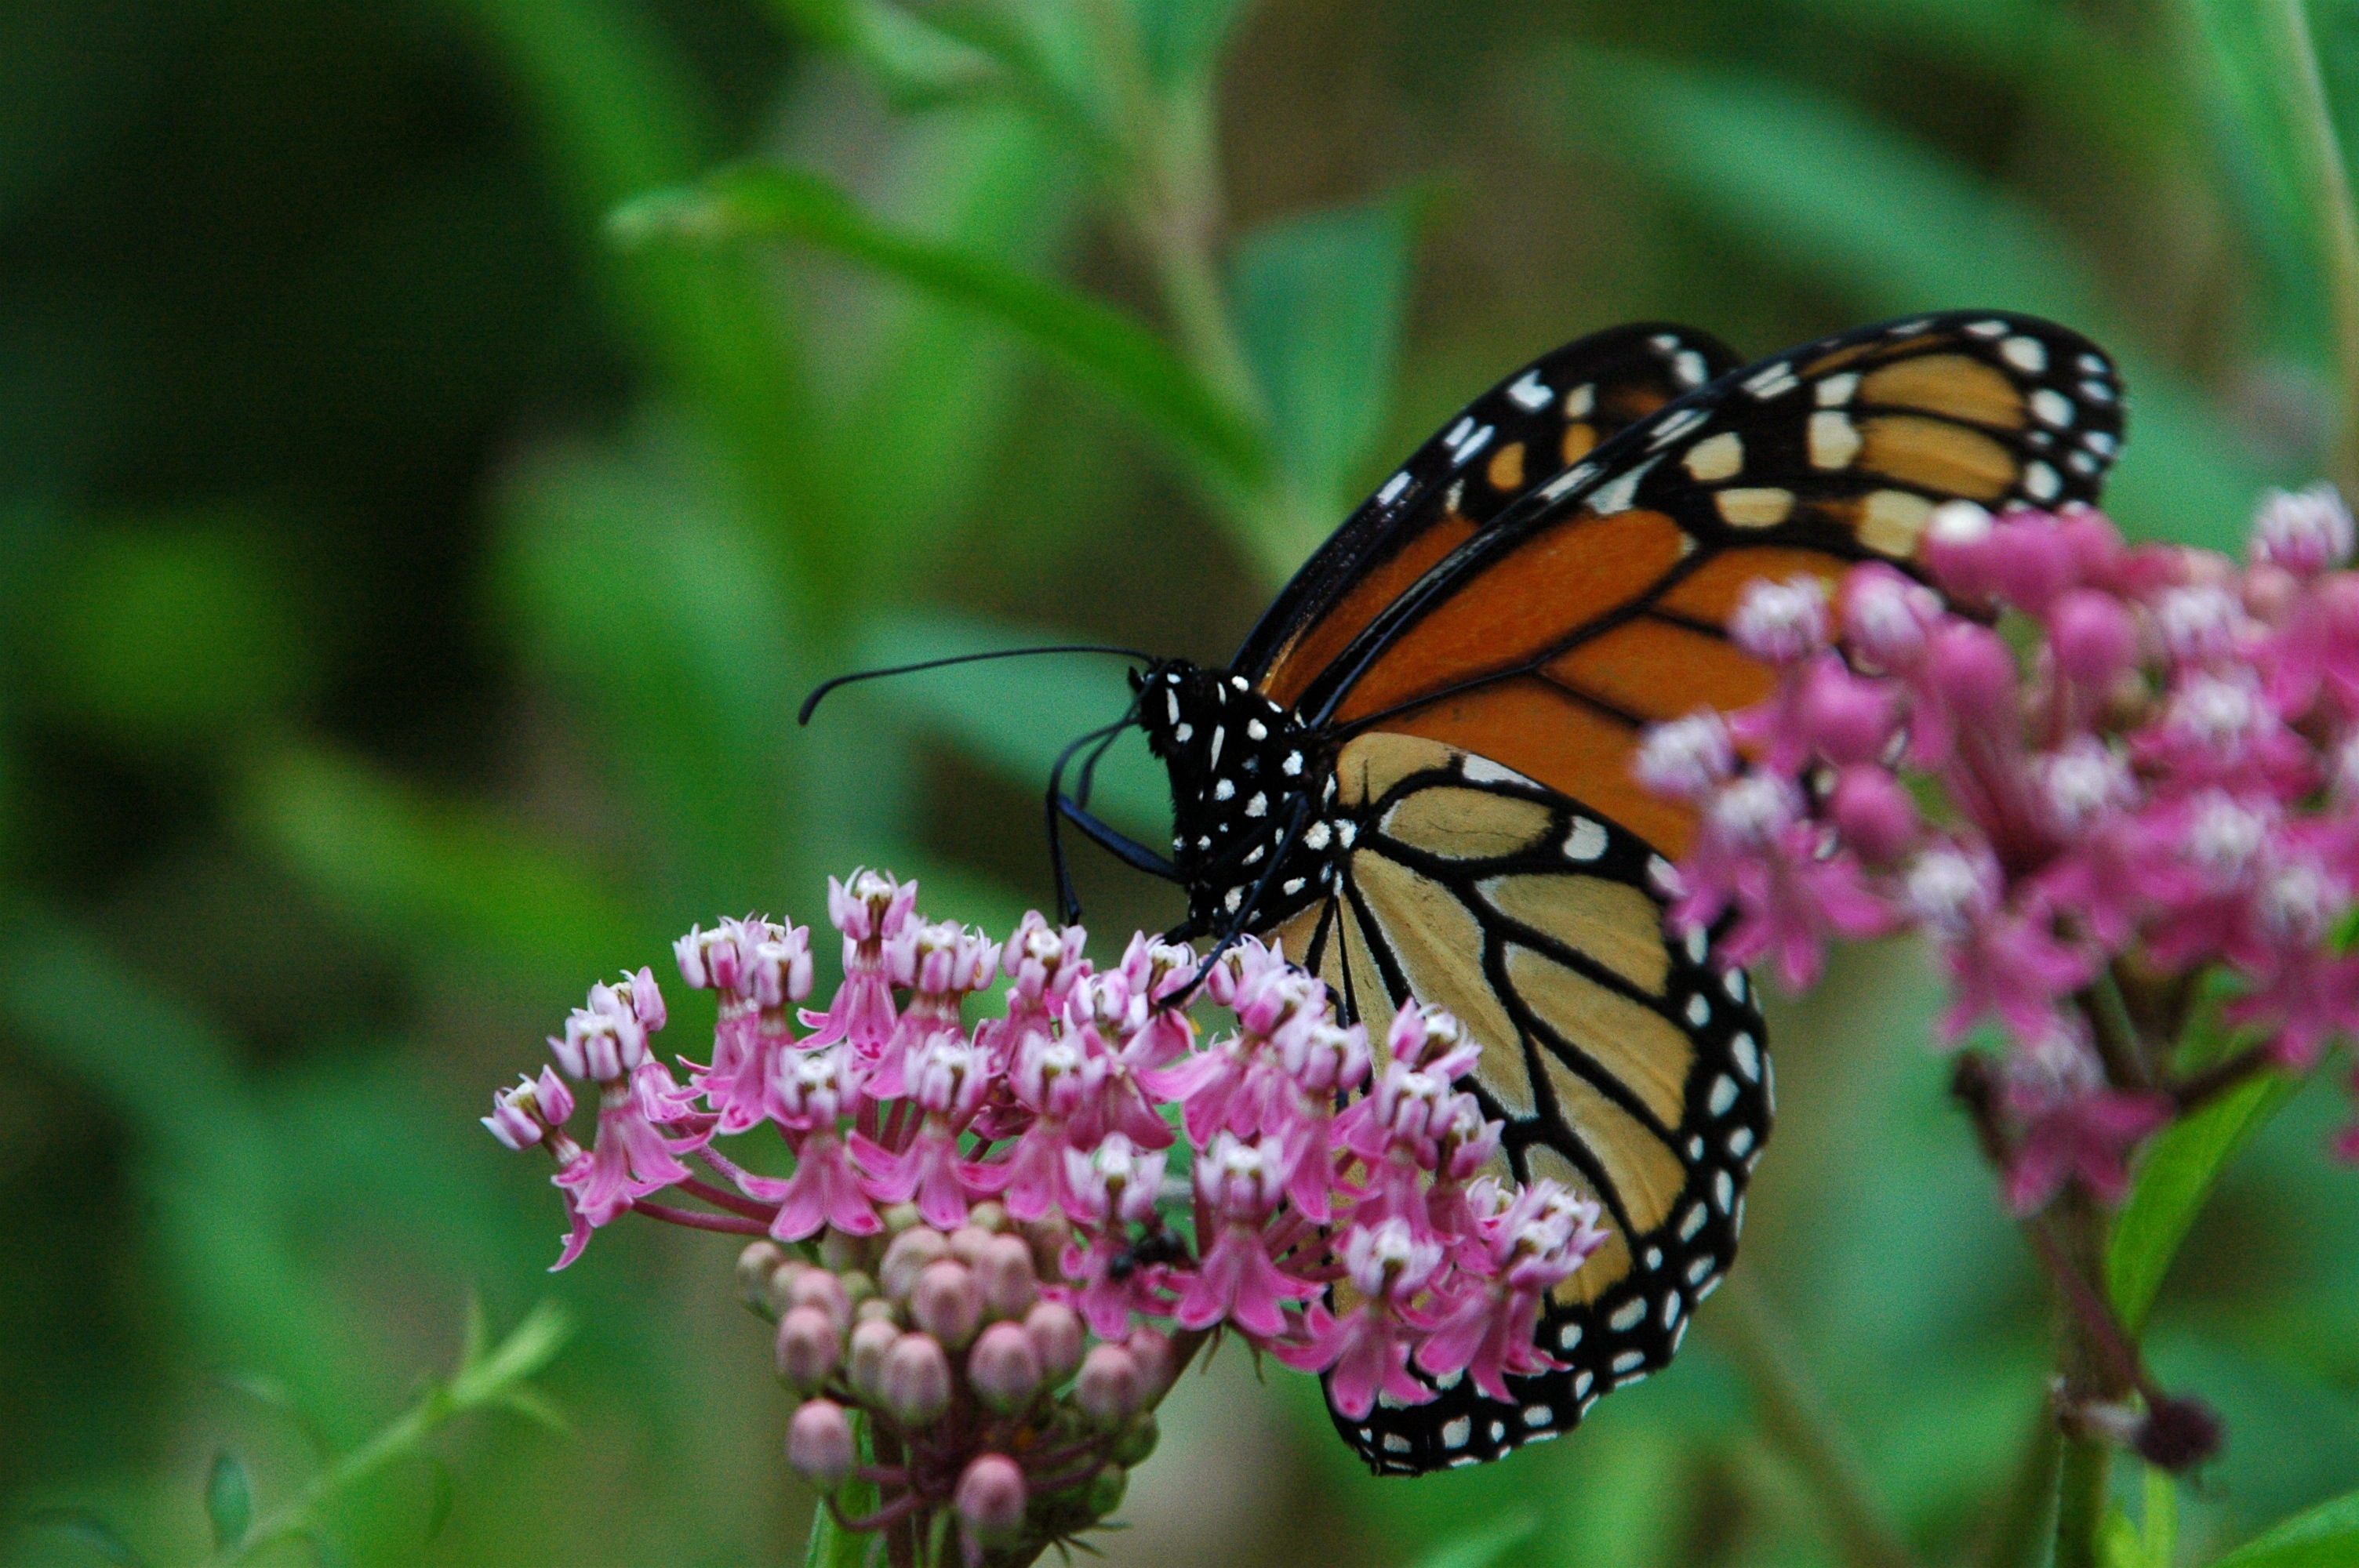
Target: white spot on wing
(1626, 1316)
(2029, 355)
(1723, 1095)
(1836, 390)
(1529, 391)
(1833, 440)
(1483, 770)
(1586, 841)
(1610, 500)
(1393, 488)
(1748, 1057)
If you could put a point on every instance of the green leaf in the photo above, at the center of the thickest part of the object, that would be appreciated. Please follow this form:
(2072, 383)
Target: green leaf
(2159, 1530)
(81, 1525)
(1015, 715)
(1107, 347)
(229, 1500)
(502, 1371)
(452, 875)
(1484, 1547)
(831, 1545)
(1321, 302)
(2118, 1545)
(2325, 1536)
(1818, 185)
(2174, 1179)
(264, 1389)
(442, 1498)
(1183, 40)
(913, 63)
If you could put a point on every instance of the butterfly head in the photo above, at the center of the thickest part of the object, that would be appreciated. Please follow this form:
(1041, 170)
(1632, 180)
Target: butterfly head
(1242, 769)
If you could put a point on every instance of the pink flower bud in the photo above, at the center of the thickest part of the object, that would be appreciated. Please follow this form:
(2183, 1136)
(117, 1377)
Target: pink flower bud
(1004, 1367)
(1111, 1386)
(1055, 1330)
(808, 1347)
(1152, 1349)
(1957, 548)
(2031, 561)
(968, 1241)
(1009, 1285)
(991, 1499)
(911, 1252)
(1783, 622)
(1974, 671)
(1874, 812)
(757, 1266)
(916, 1380)
(1887, 616)
(946, 1302)
(2306, 531)
(818, 1289)
(818, 1443)
(1847, 718)
(2092, 636)
(871, 1340)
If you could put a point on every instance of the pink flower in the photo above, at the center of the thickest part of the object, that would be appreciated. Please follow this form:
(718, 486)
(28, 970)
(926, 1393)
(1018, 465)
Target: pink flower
(631, 1158)
(2074, 1128)
(1368, 1347)
(1240, 1184)
(941, 963)
(948, 1082)
(1058, 1083)
(1044, 961)
(1112, 1190)
(809, 1091)
(2002, 963)
(1539, 1240)
(870, 909)
(1756, 852)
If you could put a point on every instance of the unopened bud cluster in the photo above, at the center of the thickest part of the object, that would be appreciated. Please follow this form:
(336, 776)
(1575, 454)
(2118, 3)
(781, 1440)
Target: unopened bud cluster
(984, 1398)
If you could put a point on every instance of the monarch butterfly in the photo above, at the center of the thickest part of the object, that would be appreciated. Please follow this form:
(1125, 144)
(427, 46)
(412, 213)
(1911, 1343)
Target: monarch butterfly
(1416, 772)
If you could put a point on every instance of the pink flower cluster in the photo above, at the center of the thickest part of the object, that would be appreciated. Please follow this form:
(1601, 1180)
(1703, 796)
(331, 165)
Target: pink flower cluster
(2163, 781)
(1148, 1178)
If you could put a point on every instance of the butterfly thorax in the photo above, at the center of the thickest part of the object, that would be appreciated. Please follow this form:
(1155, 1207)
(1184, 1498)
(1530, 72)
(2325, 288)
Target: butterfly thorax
(1249, 781)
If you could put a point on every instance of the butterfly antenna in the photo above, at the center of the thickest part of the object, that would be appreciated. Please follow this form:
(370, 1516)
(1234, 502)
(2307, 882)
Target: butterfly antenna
(1068, 906)
(803, 715)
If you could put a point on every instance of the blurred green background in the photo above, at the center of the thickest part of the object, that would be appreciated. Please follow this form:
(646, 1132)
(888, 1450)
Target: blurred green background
(406, 585)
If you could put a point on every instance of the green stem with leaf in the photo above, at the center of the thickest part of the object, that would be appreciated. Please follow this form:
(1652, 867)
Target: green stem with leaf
(489, 1376)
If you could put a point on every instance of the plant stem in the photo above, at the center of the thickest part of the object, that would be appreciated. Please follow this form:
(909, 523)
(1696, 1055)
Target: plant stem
(2089, 1371)
(496, 1377)
(1794, 1415)
(2328, 186)
(2020, 1523)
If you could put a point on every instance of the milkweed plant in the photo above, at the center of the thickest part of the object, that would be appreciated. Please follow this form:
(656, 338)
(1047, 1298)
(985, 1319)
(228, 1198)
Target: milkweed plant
(2114, 788)
(999, 1244)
